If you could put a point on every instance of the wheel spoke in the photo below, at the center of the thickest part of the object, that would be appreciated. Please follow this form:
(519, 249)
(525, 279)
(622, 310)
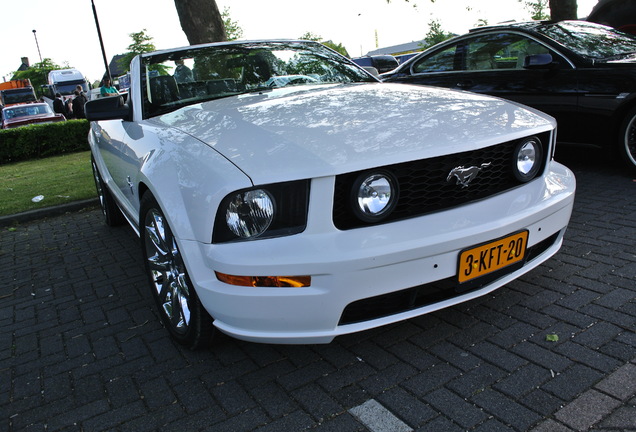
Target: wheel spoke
(167, 272)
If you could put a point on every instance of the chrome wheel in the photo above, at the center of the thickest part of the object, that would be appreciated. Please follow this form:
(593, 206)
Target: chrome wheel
(627, 144)
(98, 186)
(112, 214)
(179, 306)
(167, 272)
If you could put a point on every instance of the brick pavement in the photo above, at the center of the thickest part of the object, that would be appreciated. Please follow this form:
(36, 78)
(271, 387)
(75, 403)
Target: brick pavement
(82, 348)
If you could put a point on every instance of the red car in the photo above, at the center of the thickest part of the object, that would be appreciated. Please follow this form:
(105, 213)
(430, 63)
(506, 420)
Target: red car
(26, 114)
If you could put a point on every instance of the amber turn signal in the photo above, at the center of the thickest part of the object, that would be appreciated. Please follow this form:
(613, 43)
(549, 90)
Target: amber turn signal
(265, 281)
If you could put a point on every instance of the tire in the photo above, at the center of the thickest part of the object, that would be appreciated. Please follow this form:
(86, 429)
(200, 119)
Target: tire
(112, 214)
(177, 302)
(627, 140)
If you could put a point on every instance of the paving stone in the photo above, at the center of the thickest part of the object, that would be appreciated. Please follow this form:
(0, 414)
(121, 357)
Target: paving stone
(587, 410)
(624, 418)
(452, 406)
(406, 406)
(476, 380)
(621, 383)
(505, 409)
(550, 426)
(572, 382)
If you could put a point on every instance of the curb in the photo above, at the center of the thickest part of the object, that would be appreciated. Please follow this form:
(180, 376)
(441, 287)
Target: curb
(47, 212)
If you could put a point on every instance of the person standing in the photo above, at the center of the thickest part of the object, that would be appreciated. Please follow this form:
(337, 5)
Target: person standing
(107, 89)
(59, 106)
(78, 104)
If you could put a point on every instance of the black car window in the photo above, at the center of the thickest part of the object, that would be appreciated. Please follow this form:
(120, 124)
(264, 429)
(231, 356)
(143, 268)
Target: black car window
(441, 61)
(500, 51)
(493, 51)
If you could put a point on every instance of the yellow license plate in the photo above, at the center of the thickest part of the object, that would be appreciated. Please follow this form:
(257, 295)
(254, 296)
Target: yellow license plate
(492, 256)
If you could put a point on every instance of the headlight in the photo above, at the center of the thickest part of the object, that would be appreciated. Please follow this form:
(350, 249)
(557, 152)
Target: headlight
(374, 196)
(265, 211)
(527, 159)
(249, 213)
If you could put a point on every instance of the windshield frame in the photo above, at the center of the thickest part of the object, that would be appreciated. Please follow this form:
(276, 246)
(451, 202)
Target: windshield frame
(173, 79)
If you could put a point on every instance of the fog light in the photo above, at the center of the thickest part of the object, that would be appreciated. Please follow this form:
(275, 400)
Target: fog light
(374, 196)
(527, 159)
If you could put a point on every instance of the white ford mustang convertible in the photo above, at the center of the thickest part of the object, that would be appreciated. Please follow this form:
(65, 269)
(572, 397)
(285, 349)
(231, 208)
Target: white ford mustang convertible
(283, 195)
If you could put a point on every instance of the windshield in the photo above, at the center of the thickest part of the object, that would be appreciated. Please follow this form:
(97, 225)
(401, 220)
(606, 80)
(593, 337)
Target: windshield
(591, 40)
(15, 96)
(26, 110)
(68, 87)
(174, 79)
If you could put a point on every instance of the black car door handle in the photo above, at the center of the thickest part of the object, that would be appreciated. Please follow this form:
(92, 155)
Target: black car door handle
(464, 84)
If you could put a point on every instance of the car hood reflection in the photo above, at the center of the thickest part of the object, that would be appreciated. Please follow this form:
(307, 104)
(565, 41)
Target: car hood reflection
(313, 131)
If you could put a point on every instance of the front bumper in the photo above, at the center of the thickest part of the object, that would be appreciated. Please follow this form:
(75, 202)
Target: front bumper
(349, 266)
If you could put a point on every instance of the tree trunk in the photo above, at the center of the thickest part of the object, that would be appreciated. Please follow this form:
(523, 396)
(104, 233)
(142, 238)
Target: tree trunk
(562, 10)
(201, 21)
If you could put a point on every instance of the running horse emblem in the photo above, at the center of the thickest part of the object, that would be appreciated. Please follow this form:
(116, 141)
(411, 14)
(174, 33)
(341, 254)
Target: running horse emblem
(466, 175)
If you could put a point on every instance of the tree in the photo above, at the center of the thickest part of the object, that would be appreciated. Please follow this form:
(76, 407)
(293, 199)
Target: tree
(38, 74)
(435, 34)
(201, 21)
(142, 43)
(538, 9)
(563, 10)
(339, 48)
(233, 30)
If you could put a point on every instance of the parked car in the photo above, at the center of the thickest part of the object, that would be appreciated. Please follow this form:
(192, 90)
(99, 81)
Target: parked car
(296, 214)
(583, 74)
(26, 114)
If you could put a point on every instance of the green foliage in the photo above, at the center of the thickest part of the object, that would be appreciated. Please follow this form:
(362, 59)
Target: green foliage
(232, 28)
(142, 43)
(38, 74)
(311, 37)
(435, 34)
(553, 337)
(539, 9)
(43, 140)
(339, 48)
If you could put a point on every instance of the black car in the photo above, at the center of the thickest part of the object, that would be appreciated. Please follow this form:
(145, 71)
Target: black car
(582, 73)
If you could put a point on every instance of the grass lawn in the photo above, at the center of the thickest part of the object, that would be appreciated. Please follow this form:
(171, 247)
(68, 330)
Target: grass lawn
(58, 179)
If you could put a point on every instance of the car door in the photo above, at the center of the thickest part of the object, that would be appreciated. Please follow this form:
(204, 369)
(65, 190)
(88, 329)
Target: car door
(494, 63)
(121, 162)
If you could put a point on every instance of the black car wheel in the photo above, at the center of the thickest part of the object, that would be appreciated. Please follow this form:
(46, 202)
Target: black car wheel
(112, 214)
(179, 306)
(627, 139)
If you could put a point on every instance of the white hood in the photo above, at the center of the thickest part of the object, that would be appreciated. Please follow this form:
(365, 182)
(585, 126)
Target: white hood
(308, 132)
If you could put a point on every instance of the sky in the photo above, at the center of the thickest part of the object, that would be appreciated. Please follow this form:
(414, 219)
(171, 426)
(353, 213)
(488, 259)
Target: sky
(66, 31)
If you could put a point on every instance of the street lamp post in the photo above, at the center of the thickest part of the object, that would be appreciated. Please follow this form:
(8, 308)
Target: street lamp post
(101, 42)
(38, 45)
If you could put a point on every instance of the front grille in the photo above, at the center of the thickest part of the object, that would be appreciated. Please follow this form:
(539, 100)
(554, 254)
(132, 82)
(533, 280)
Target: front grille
(424, 187)
(431, 293)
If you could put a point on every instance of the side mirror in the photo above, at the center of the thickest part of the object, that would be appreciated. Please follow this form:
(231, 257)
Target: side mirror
(107, 108)
(373, 71)
(537, 61)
